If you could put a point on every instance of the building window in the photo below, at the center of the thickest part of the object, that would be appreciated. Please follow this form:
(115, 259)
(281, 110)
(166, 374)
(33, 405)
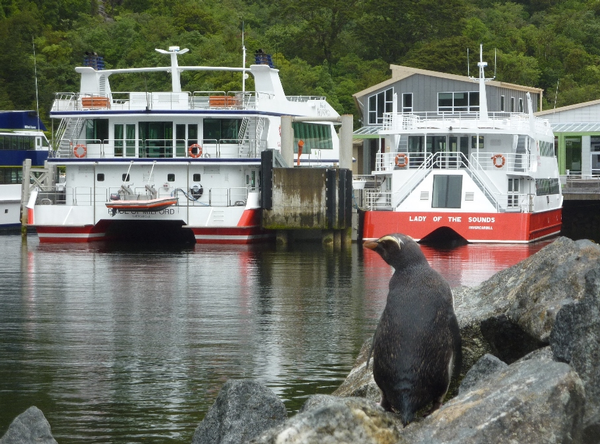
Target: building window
(502, 103)
(521, 108)
(573, 155)
(455, 102)
(512, 104)
(380, 103)
(407, 102)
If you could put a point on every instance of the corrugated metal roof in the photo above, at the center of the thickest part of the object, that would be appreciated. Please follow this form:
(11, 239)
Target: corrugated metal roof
(368, 132)
(576, 127)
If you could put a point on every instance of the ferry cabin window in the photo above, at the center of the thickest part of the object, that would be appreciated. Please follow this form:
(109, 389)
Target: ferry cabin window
(454, 102)
(11, 175)
(100, 177)
(544, 187)
(380, 103)
(407, 102)
(221, 130)
(96, 131)
(196, 177)
(16, 143)
(447, 191)
(124, 143)
(170, 177)
(156, 139)
(513, 192)
(546, 149)
(315, 136)
(474, 142)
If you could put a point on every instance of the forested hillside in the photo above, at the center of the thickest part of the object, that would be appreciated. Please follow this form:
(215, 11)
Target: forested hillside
(326, 47)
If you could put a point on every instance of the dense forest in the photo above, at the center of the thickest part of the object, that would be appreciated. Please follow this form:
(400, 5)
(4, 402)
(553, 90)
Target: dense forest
(323, 47)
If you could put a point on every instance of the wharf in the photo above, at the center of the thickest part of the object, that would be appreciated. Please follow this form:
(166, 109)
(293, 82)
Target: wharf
(577, 188)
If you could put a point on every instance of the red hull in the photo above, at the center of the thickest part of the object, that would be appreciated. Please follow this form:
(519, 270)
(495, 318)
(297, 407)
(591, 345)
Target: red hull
(474, 227)
(89, 233)
(248, 231)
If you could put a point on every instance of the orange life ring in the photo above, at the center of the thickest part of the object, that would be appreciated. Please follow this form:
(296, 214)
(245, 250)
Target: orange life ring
(195, 150)
(401, 160)
(80, 154)
(502, 160)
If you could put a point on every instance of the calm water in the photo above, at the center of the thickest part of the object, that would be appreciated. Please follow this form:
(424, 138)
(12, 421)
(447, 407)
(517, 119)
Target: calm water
(131, 344)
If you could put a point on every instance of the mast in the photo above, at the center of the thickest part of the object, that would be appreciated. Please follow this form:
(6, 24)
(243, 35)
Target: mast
(175, 72)
(244, 75)
(483, 110)
(37, 99)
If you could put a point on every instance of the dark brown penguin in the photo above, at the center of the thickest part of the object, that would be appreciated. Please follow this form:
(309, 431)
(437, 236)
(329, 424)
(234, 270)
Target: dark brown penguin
(416, 347)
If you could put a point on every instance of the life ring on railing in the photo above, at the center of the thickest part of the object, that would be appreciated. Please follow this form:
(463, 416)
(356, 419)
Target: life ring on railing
(195, 150)
(495, 160)
(401, 160)
(80, 151)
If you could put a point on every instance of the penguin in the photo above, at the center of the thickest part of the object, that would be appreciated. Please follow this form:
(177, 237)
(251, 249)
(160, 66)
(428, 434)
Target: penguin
(416, 346)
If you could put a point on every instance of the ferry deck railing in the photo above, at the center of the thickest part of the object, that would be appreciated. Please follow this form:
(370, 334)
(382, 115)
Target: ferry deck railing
(185, 100)
(88, 196)
(423, 163)
(162, 148)
(514, 123)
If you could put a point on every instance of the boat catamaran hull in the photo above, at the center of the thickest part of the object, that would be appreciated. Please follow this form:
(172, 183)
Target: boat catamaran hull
(123, 153)
(479, 176)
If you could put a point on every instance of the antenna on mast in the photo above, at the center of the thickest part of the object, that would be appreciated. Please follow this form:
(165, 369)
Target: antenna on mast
(495, 51)
(468, 64)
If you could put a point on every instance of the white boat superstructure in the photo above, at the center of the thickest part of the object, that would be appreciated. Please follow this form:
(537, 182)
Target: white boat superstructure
(21, 138)
(488, 177)
(202, 147)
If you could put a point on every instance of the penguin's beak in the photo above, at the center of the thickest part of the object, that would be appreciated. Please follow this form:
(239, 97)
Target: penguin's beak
(371, 245)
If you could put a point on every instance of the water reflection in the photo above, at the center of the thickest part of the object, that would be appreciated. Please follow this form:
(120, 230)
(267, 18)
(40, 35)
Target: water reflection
(130, 343)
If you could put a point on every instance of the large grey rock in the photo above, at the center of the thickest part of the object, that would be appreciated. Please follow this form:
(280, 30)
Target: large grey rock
(243, 409)
(29, 427)
(360, 381)
(486, 366)
(513, 312)
(575, 339)
(532, 401)
(341, 421)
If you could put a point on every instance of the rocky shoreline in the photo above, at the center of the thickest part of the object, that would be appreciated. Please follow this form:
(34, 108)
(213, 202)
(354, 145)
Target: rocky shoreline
(531, 373)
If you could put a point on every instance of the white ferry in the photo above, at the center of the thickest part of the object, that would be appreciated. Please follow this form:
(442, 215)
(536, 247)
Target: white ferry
(176, 161)
(479, 176)
(21, 137)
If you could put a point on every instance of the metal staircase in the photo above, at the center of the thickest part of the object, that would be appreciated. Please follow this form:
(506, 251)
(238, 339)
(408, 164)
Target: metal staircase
(250, 134)
(67, 133)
